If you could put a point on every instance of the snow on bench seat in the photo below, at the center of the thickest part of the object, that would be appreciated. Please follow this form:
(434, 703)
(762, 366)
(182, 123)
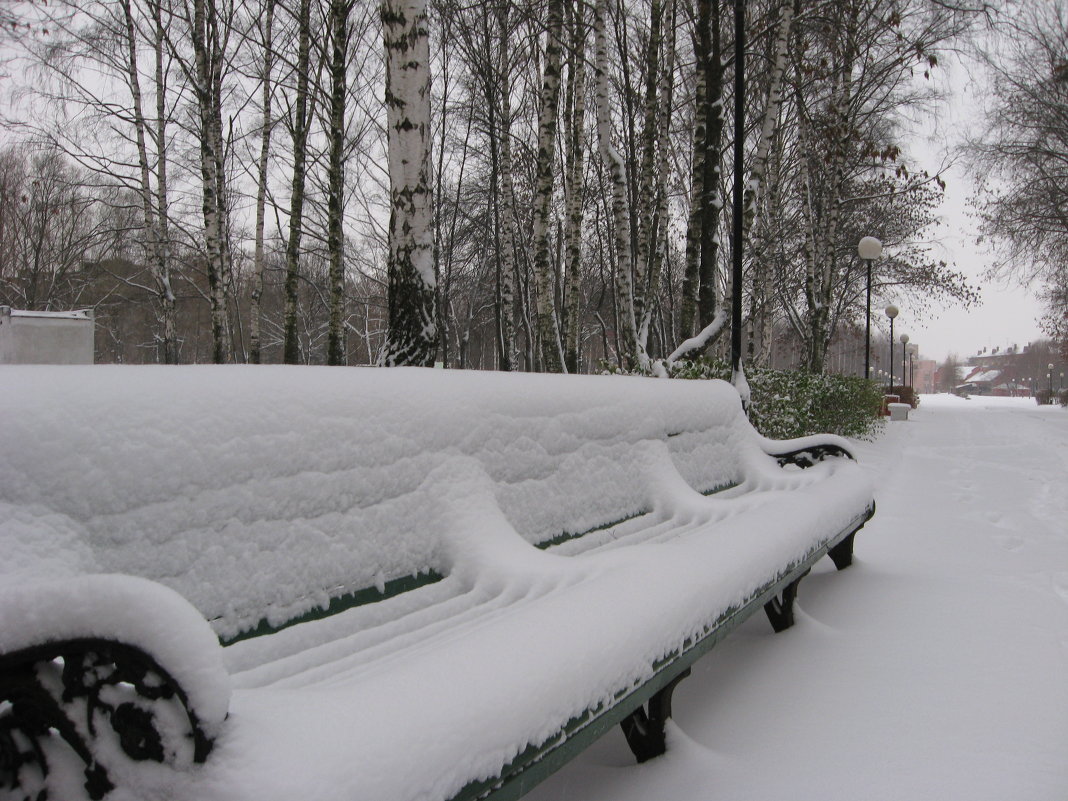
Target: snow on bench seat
(263, 493)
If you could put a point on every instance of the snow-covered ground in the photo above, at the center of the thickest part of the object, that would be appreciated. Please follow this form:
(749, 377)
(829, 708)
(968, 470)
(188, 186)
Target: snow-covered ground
(934, 669)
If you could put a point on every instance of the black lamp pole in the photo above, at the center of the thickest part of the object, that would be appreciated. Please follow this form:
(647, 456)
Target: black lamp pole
(891, 312)
(739, 165)
(867, 326)
(904, 349)
(869, 249)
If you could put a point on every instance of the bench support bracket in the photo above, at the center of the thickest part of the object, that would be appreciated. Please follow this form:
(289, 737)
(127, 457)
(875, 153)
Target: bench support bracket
(644, 730)
(842, 553)
(780, 609)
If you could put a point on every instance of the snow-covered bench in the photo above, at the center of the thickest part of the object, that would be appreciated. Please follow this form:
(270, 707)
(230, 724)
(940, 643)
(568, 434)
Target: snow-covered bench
(429, 584)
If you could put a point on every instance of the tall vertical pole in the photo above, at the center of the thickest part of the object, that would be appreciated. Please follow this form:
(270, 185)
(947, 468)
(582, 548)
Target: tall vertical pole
(890, 387)
(867, 327)
(739, 153)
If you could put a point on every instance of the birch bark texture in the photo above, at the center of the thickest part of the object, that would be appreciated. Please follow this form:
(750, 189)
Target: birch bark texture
(552, 356)
(291, 346)
(207, 86)
(159, 263)
(632, 354)
(412, 335)
(573, 188)
(339, 52)
(266, 127)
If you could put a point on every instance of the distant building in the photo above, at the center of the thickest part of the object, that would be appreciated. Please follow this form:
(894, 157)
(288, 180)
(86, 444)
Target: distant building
(37, 337)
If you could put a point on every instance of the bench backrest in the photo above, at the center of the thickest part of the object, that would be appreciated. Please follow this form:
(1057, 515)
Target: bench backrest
(260, 493)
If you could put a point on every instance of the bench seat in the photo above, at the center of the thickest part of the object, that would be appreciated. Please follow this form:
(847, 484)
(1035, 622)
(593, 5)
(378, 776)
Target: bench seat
(511, 564)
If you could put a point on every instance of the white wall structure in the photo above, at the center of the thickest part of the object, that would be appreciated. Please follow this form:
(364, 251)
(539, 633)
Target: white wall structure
(37, 337)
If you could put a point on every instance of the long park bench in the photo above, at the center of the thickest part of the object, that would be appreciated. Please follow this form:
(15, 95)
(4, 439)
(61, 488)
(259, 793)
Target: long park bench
(279, 583)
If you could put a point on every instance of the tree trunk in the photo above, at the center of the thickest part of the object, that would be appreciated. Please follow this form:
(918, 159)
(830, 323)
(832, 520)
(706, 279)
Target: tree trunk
(711, 196)
(506, 203)
(291, 347)
(207, 53)
(158, 261)
(255, 313)
(412, 337)
(552, 356)
(632, 355)
(573, 169)
(646, 196)
(335, 343)
(658, 227)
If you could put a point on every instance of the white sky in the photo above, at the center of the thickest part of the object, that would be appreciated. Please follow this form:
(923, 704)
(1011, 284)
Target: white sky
(1007, 314)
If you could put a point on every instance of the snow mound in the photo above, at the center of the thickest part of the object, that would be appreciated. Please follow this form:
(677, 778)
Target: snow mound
(327, 481)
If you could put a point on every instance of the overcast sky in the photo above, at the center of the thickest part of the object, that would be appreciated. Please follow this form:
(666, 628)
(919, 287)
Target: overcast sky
(1008, 314)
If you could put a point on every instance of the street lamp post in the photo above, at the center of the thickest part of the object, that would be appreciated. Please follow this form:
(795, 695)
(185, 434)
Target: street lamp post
(912, 367)
(1049, 375)
(904, 352)
(891, 312)
(869, 249)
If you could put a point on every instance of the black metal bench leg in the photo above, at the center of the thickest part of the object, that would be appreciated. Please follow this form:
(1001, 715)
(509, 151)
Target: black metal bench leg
(842, 553)
(780, 611)
(644, 730)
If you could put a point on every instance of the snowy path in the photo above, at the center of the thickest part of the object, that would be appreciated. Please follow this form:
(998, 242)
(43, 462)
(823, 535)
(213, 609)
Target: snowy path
(935, 669)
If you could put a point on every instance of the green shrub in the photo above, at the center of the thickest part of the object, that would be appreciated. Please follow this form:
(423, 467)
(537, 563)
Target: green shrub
(786, 404)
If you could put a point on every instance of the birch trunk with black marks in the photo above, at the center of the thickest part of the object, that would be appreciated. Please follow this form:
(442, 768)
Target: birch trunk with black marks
(759, 326)
(163, 213)
(759, 169)
(291, 345)
(335, 243)
(823, 198)
(646, 195)
(412, 336)
(632, 355)
(711, 194)
(548, 328)
(658, 225)
(159, 263)
(207, 86)
(698, 305)
(509, 356)
(574, 187)
(267, 124)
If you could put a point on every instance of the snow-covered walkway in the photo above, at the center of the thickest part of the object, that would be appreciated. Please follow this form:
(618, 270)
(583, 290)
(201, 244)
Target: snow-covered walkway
(934, 669)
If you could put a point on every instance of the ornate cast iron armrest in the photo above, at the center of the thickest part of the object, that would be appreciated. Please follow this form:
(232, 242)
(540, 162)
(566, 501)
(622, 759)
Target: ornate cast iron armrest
(71, 688)
(806, 457)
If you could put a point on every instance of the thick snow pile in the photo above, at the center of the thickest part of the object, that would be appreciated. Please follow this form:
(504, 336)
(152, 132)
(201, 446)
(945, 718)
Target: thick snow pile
(209, 479)
(267, 489)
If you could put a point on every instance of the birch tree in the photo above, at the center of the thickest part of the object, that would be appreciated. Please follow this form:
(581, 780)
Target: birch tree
(412, 336)
(633, 355)
(301, 118)
(574, 184)
(339, 36)
(552, 357)
(266, 129)
(207, 31)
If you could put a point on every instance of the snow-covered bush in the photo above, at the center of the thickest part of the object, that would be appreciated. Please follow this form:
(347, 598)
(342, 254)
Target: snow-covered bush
(787, 404)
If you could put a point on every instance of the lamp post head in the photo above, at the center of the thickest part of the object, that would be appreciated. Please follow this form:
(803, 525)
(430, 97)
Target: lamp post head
(904, 339)
(891, 312)
(1050, 366)
(870, 248)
